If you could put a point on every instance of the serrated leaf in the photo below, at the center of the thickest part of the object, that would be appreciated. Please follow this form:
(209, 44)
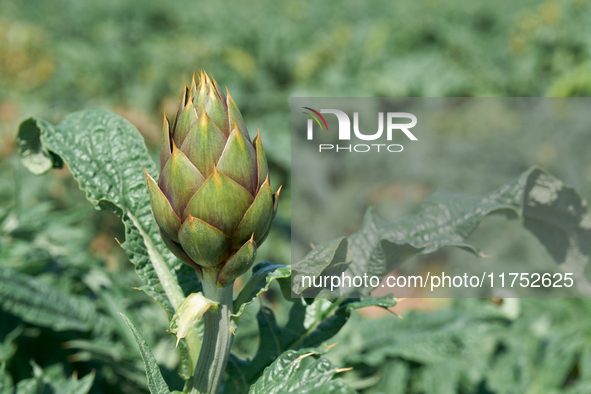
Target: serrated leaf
(308, 326)
(243, 373)
(555, 213)
(263, 274)
(107, 156)
(41, 304)
(291, 374)
(156, 382)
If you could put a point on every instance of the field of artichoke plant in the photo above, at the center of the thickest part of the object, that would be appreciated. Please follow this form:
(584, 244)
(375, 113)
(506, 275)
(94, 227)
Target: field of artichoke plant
(137, 257)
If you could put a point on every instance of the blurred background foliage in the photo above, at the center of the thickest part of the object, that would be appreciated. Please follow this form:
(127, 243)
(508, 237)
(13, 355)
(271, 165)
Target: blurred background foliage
(59, 56)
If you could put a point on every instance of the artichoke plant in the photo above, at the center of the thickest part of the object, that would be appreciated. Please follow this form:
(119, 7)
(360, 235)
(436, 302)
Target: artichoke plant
(213, 201)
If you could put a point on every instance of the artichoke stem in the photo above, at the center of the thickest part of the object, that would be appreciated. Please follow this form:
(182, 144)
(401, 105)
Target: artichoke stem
(217, 337)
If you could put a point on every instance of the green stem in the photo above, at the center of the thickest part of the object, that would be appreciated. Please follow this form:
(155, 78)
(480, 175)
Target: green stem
(217, 338)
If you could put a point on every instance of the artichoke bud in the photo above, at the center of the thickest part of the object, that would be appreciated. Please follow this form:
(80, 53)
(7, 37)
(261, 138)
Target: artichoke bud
(213, 201)
(238, 264)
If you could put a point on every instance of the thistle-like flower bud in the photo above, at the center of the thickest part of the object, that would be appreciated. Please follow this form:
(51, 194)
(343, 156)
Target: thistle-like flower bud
(213, 201)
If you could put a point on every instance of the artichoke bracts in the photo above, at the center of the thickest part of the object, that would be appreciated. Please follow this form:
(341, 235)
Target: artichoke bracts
(213, 201)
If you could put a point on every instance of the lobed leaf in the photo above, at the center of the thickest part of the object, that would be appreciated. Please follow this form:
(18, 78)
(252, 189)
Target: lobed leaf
(156, 382)
(552, 211)
(308, 326)
(107, 156)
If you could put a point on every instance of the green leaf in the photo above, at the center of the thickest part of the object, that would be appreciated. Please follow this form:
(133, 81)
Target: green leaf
(308, 326)
(8, 347)
(107, 156)
(421, 337)
(385, 302)
(6, 386)
(329, 258)
(274, 340)
(473, 343)
(555, 213)
(114, 351)
(52, 380)
(263, 274)
(290, 373)
(75, 386)
(41, 304)
(30, 386)
(395, 378)
(156, 382)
